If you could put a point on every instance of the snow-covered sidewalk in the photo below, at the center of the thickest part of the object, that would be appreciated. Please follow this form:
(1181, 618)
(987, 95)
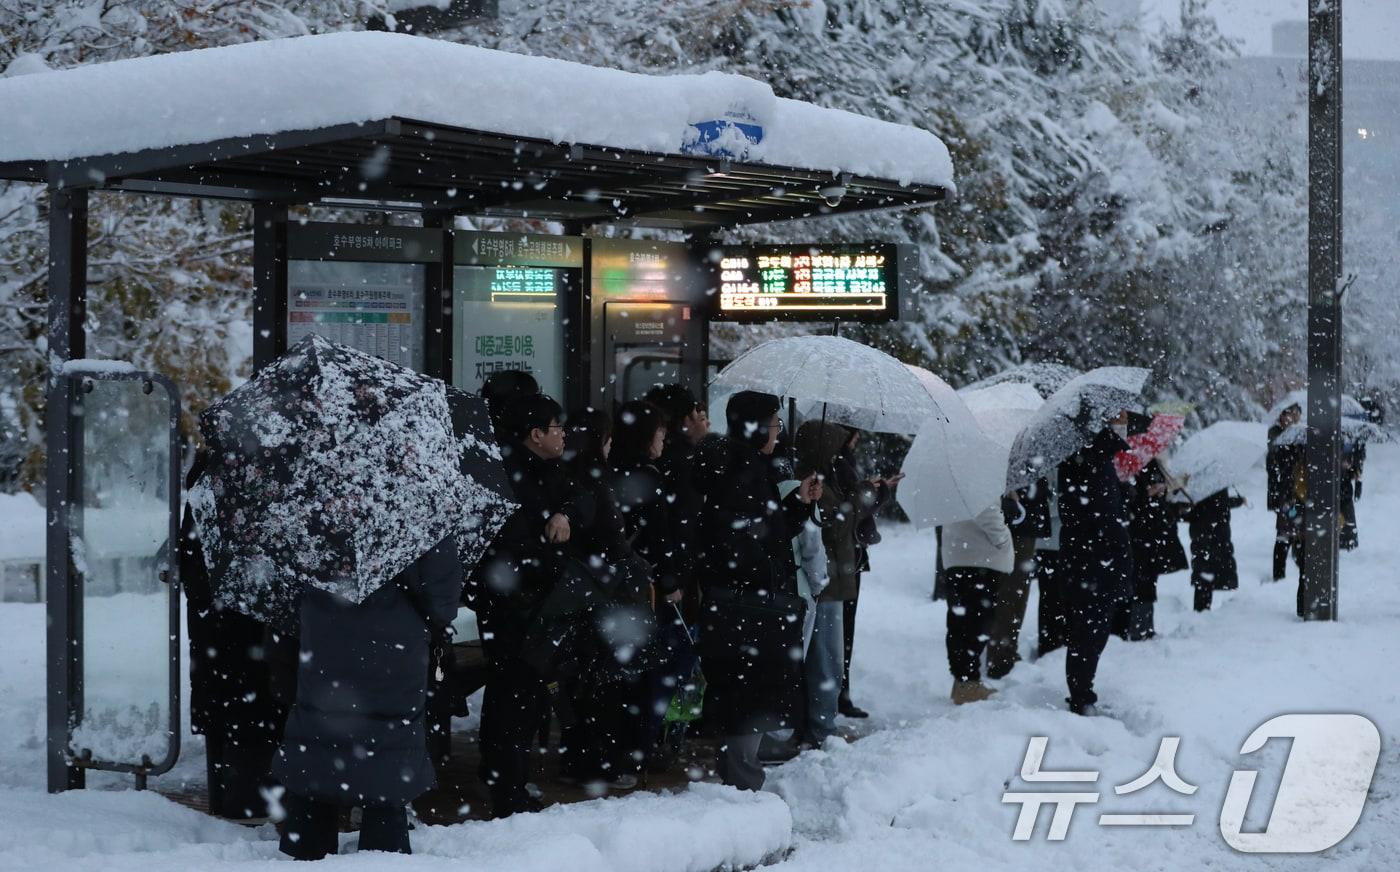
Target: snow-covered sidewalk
(924, 789)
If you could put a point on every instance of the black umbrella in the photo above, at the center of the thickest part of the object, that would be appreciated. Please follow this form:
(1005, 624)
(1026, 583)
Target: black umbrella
(338, 469)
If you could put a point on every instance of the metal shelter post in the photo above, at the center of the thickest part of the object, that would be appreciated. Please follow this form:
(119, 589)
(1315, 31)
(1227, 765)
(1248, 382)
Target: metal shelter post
(437, 300)
(269, 281)
(1324, 443)
(68, 213)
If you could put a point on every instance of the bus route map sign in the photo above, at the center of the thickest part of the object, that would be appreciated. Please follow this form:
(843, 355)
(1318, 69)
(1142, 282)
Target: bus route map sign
(814, 282)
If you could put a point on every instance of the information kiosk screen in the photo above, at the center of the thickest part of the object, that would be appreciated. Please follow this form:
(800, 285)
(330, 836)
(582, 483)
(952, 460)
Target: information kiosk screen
(814, 282)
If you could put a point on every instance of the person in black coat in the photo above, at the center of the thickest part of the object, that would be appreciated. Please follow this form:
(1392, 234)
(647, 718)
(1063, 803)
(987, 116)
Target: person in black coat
(514, 577)
(1212, 548)
(1095, 559)
(356, 735)
(605, 742)
(1282, 463)
(658, 532)
(748, 530)
(231, 703)
(687, 426)
(1157, 549)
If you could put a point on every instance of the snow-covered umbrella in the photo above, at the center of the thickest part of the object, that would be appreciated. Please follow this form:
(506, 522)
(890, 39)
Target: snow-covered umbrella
(1003, 410)
(952, 470)
(1044, 376)
(1353, 430)
(1219, 456)
(1069, 419)
(1351, 407)
(842, 381)
(335, 468)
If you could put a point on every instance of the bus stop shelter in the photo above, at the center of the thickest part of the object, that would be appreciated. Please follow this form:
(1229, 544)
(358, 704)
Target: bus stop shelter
(433, 128)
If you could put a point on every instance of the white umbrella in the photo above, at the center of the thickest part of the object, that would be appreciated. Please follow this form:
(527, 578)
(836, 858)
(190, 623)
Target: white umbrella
(1003, 409)
(860, 386)
(1219, 456)
(953, 470)
(1353, 429)
(1069, 419)
(1044, 376)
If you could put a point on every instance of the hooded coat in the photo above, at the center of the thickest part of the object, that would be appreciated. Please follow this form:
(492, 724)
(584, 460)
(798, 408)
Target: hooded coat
(748, 530)
(356, 734)
(1096, 550)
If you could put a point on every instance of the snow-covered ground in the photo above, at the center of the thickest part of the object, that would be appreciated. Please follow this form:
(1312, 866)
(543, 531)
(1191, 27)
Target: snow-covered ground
(923, 789)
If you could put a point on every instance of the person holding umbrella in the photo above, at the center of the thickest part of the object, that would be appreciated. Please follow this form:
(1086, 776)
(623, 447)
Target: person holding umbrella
(343, 496)
(1095, 559)
(1283, 462)
(1212, 547)
(752, 620)
(1157, 549)
(1071, 433)
(355, 735)
(976, 554)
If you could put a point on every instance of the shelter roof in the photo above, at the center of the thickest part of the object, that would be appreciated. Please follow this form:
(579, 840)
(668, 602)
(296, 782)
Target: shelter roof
(395, 118)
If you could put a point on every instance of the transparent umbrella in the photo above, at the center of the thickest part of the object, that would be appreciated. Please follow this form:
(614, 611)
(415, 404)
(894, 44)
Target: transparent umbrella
(842, 381)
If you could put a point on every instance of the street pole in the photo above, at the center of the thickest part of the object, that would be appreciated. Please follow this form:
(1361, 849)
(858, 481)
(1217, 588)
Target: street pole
(1324, 443)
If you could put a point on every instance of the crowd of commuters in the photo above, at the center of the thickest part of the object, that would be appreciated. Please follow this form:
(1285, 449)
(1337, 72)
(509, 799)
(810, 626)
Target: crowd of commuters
(654, 564)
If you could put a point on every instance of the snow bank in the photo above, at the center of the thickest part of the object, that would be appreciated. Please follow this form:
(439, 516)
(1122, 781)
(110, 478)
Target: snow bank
(345, 78)
(708, 827)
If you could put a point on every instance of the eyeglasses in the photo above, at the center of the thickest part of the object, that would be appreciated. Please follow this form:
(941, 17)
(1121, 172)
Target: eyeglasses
(777, 426)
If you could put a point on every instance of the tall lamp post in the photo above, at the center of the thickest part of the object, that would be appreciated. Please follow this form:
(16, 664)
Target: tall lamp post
(1324, 443)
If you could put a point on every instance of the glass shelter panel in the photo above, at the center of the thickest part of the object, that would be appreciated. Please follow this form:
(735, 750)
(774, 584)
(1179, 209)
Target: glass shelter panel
(122, 551)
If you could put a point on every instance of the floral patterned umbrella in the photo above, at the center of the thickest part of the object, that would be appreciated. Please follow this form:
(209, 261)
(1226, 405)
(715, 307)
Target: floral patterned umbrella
(335, 468)
(1161, 432)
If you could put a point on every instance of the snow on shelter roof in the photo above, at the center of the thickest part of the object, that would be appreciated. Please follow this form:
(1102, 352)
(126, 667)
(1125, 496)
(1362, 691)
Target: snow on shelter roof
(314, 82)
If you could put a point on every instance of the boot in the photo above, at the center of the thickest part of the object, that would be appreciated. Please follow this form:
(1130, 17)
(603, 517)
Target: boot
(970, 691)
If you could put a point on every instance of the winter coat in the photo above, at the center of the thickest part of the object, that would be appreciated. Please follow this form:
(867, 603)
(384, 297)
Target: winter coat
(1212, 548)
(356, 735)
(520, 568)
(1152, 523)
(230, 680)
(1281, 463)
(983, 542)
(1096, 551)
(748, 529)
(846, 503)
(677, 466)
(1029, 515)
(652, 524)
